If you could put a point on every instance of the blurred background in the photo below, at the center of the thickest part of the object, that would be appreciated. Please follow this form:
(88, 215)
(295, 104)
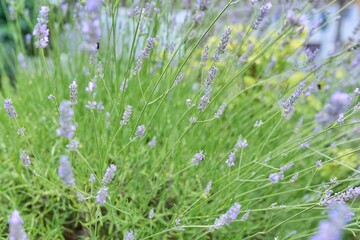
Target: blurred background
(339, 23)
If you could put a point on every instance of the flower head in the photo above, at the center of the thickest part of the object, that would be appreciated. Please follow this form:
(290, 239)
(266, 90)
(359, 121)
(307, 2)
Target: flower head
(102, 194)
(65, 171)
(41, 32)
(198, 157)
(109, 174)
(16, 230)
(9, 108)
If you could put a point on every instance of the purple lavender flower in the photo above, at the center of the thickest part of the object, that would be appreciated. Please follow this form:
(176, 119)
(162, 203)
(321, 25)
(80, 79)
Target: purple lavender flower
(319, 163)
(91, 105)
(140, 131)
(41, 32)
(288, 105)
(127, 114)
(208, 188)
(152, 143)
(73, 145)
(51, 97)
(339, 102)
(241, 143)
(287, 166)
(178, 79)
(16, 230)
(276, 177)
(21, 60)
(205, 55)
(92, 178)
(204, 101)
(109, 174)
(225, 39)
(230, 161)
(331, 229)
(65, 171)
(80, 197)
(129, 235)
(100, 106)
(9, 108)
(73, 92)
(228, 217)
(90, 25)
(145, 53)
(198, 157)
(294, 177)
(357, 91)
(341, 118)
(264, 10)
(220, 111)
(245, 216)
(102, 194)
(21, 131)
(67, 129)
(91, 86)
(25, 158)
(295, 20)
(340, 198)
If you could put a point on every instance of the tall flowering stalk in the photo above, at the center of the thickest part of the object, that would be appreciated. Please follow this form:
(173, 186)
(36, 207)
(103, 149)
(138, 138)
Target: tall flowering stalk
(228, 217)
(41, 31)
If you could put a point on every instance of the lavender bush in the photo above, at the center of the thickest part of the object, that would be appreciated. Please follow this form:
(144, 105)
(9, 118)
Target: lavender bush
(179, 120)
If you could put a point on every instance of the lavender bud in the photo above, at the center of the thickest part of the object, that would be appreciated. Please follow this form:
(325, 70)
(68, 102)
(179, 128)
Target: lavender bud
(264, 10)
(145, 53)
(91, 87)
(16, 230)
(140, 131)
(21, 131)
(208, 188)
(276, 177)
(225, 39)
(152, 143)
(73, 145)
(100, 106)
(230, 161)
(294, 177)
(319, 163)
(41, 32)
(73, 92)
(102, 194)
(129, 235)
(287, 166)
(341, 118)
(92, 178)
(288, 105)
(126, 116)
(91, 105)
(67, 129)
(198, 157)
(228, 217)
(205, 56)
(51, 97)
(220, 111)
(109, 174)
(241, 143)
(90, 25)
(245, 216)
(80, 197)
(65, 171)
(9, 108)
(179, 79)
(25, 158)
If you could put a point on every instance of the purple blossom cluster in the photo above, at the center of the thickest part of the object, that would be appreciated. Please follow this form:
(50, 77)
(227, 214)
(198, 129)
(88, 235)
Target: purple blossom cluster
(145, 53)
(331, 229)
(225, 39)
(65, 171)
(339, 103)
(90, 25)
(340, 198)
(288, 105)
(198, 157)
(9, 108)
(109, 174)
(208, 82)
(41, 32)
(16, 229)
(264, 10)
(228, 217)
(67, 128)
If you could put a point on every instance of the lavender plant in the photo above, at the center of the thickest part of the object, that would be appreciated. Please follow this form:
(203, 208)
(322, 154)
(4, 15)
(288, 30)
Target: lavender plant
(120, 152)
